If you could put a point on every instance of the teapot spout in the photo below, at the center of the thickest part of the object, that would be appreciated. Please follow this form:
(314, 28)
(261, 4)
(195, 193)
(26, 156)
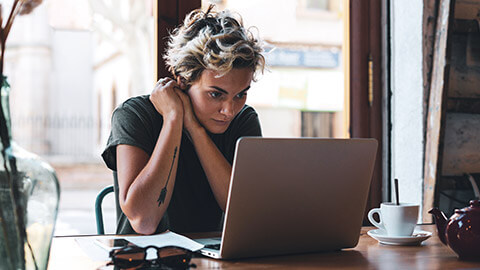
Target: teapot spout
(441, 221)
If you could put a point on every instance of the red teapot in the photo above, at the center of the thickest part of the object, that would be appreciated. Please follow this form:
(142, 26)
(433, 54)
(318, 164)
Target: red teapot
(462, 231)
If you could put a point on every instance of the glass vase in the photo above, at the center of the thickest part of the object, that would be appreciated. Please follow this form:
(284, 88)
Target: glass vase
(29, 197)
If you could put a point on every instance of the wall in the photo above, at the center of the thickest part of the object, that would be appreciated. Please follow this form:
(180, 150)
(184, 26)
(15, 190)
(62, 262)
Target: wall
(28, 65)
(407, 99)
(72, 127)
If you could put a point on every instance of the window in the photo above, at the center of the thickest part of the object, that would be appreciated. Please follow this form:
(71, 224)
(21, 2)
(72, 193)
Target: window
(319, 9)
(317, 4)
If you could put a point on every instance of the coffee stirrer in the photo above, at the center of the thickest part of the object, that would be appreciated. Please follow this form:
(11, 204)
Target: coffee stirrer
(396, 192)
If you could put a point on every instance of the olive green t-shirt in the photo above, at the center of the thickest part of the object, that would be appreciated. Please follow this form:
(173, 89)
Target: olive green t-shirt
(193, 207)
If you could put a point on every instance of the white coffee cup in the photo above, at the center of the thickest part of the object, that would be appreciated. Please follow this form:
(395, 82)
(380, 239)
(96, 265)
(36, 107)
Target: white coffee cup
(395, 220)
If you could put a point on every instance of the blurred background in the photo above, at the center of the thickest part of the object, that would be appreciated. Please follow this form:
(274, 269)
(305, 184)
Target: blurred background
(71, 62)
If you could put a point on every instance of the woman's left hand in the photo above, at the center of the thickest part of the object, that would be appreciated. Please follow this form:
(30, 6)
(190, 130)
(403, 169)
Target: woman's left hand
(190, 121)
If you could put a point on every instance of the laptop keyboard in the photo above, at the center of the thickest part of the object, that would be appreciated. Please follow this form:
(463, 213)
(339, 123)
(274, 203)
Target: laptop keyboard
(214, 246)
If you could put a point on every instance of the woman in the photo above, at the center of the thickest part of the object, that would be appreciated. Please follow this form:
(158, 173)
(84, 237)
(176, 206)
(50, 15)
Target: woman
(173, 150)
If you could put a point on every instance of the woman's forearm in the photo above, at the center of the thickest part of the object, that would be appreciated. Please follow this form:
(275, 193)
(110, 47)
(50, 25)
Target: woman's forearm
(216, 167)
(146, 183)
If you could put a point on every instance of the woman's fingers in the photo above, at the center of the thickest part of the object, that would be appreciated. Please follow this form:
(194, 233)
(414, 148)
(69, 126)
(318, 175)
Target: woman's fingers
(164, 98)
(164, 79)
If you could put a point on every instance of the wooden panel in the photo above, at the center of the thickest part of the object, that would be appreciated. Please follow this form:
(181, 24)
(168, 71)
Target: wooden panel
(376, 106)
(467, 9)
(473, 51)
(165, 20)
(359, 48)
(461, 145)
(465, 26)
(185, 6)
(463, 105)
(366, 63)
(430, 9)
(435, 111)
(465, 65)
(168, 14)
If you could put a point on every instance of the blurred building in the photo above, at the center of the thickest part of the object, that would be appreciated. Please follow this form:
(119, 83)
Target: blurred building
(71, 62)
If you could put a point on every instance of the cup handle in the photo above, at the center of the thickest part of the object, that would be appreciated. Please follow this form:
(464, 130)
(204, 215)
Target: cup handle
(373, 221)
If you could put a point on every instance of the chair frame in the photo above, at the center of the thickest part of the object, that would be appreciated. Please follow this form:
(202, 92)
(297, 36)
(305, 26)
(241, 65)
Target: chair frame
(98, 208)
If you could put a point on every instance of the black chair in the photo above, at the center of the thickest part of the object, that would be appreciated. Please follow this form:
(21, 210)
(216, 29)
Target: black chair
(98, 208)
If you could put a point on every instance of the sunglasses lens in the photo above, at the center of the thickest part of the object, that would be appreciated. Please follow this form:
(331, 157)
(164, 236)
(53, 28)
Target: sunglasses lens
(176, 258)
(128, 257)
(177, 262)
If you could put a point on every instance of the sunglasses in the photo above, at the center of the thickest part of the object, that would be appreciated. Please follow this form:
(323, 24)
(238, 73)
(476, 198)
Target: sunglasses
(169, 257)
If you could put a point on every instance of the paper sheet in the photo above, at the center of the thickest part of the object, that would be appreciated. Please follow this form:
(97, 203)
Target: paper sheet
(165, 239)
(94, 251)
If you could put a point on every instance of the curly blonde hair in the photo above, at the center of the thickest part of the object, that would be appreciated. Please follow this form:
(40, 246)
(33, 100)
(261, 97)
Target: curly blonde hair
(215, 41)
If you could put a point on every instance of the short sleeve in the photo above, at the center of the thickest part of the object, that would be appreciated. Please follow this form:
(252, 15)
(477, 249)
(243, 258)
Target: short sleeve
(248, 123)
(133, 123)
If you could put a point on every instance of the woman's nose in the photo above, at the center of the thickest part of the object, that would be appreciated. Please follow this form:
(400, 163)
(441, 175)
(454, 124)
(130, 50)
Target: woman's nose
(227, 109)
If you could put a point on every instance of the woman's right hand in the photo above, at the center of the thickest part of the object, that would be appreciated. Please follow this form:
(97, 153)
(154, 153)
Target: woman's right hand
(165, 99)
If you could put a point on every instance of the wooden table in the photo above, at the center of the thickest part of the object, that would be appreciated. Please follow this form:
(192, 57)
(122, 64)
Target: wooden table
(368, 254)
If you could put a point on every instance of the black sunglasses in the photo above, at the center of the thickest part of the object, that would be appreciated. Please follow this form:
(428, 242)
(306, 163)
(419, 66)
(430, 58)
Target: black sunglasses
(169, 257)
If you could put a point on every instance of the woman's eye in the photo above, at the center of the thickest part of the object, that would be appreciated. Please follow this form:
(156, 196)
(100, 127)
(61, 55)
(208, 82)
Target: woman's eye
(215, 94)
(242, 95)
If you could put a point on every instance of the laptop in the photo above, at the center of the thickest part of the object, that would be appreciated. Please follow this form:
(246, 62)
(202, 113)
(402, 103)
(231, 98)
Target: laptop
(294, 195)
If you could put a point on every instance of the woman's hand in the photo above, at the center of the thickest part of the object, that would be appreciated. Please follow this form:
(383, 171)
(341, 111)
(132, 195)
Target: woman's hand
(190, 121)
(166, 100)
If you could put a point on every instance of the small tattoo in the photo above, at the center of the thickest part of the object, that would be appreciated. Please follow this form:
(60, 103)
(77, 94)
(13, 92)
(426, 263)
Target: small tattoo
(163, 193)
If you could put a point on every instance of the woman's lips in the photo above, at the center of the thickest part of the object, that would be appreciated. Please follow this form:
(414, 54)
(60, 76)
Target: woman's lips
(221, 122)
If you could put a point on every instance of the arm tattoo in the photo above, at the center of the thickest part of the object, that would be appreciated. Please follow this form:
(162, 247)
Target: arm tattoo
(163, 193)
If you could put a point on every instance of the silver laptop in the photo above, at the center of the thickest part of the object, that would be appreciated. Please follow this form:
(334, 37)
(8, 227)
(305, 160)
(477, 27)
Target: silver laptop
(294, 195)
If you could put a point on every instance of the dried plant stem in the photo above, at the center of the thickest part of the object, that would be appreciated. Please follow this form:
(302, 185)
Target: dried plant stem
(33, 255)
(2, 54)
(1, 17)
(17, 5)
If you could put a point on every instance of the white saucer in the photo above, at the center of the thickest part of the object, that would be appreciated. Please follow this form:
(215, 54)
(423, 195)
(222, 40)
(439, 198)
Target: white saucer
(415, 239)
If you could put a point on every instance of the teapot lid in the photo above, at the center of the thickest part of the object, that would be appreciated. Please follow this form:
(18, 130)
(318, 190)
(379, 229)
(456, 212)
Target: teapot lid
(474, 206)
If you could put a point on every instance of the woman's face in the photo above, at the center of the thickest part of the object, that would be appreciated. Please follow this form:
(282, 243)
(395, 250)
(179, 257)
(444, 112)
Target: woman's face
(216, 101)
